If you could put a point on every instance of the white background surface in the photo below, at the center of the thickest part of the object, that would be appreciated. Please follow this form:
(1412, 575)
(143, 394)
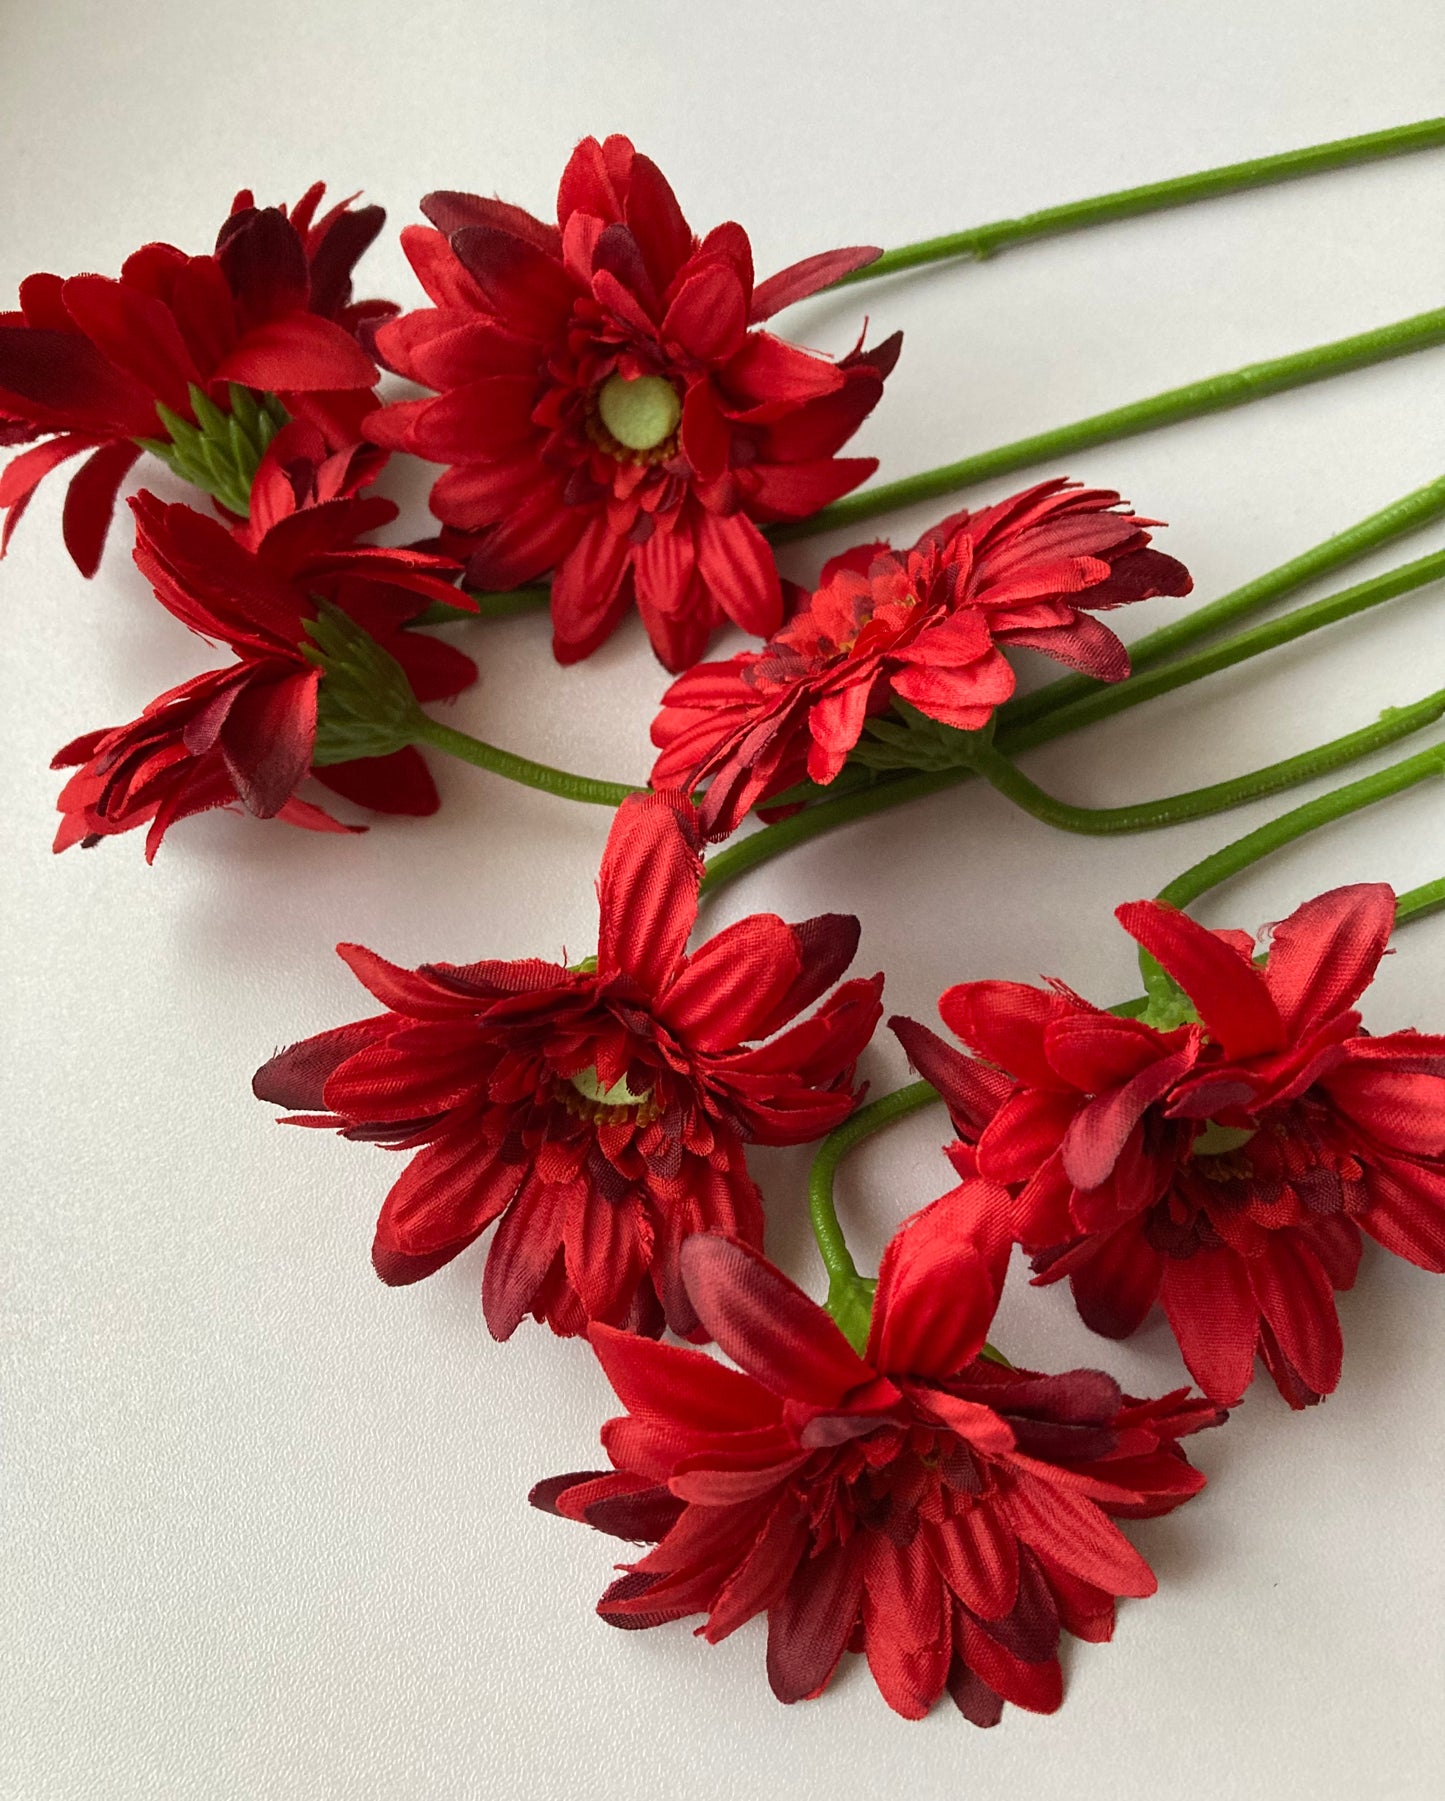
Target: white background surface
(266, 1532)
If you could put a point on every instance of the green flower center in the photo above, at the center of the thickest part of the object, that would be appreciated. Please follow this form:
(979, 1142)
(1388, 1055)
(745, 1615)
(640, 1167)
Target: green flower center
(1218, 1141)
(588, 1085)
(640, 414)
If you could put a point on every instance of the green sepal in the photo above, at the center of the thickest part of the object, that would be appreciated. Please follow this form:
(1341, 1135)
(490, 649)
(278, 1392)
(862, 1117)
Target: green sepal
(365, 707)
(850, 1305)
(905, 738)
(222, 450)
(1169, 1006)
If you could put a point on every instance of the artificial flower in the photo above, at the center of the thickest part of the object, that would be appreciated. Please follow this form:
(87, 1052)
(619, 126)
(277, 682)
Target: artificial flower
(607, 411)
(936, 1509)
(600, 1111)
(263, 328)
(1225, 1166)
(921, 626)
(247, 733)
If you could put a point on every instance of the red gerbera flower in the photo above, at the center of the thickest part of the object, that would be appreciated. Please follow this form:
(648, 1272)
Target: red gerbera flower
(936, 1509)
(270, 313)
(1225, 1167)
(247, 733)
(606, 411)
(600, 1111)
(922, 626)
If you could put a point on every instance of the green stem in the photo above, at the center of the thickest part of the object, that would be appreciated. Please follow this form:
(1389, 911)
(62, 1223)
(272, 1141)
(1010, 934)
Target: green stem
(1213, 870)
(850, 1296)
(1212, 395)
(1274, 632)
(1409, 514)
(1156, 196)
(519, 769)
(489, 606)
(1218, 797)
(761, 847)
(1418, 903)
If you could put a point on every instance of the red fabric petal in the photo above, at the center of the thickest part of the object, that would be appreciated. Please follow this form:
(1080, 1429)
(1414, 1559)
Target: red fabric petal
(1324, 956)
(766, 1324)
(1213, 1314)
(709, 314)
(137, 333)
(647, 889)
(801, 279)
(938, 1286)
(399, 783)
(90, 501)
(267, 739)
(1297, 1298)
(1230, 993)
(299, 351)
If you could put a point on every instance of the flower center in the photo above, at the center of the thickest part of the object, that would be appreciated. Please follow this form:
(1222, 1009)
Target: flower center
(1217, 1141)
(641, 414)
(591, 1101)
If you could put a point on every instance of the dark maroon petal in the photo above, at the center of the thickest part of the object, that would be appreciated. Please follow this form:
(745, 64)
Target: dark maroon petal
(766, 1325)
(264, 263)
(809, 1629)
(296, 1077)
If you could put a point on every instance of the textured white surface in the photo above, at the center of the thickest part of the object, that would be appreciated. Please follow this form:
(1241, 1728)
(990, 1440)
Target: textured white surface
(265, 1531)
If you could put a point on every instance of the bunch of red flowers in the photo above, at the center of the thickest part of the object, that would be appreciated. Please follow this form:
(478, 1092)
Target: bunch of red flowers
(870, 1477)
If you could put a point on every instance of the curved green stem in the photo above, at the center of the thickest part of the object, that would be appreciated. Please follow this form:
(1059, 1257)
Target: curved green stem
(1156, 196)
(1408, 514)
(1211, 871)
(1218, 797)
(1250, 643)
(850, 1296)
(519, 769)
(1215, 394)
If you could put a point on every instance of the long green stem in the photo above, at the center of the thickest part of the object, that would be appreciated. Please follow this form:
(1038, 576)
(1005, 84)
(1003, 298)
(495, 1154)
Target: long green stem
(520, 769)
(1408, 514)
(1214, 394)
(1217, 797)
(1156, 196)
(1237, 649)
(1211, 871)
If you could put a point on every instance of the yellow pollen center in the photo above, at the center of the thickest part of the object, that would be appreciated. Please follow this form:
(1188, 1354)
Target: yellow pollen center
(640, 414)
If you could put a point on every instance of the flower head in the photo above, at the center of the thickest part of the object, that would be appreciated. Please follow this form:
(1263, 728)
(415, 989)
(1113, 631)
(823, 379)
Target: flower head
(599, 1111)
(923, 627)
(607, 410)
(247, 733)
(1225, 1166)
(936, 1509)
(197, 358)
